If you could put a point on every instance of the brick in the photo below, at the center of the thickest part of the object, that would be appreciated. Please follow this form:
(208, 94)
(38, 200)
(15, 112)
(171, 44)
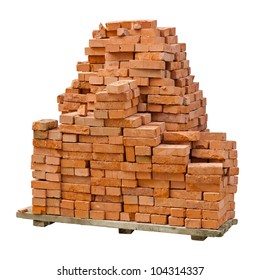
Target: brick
(159, 219)
(210, 224)
(131, 121)
(113, 191)
(205, 168)
(46, 167)
(170, 202)
(154, 56)
(53, 177)
(82, 205)
(154, 184)
(111, 215)
(82, 172)
(75, 129)
(146, 200)
(39, 210)
(76, 196)
(143, 218)
(219, 136)
(209, 154)
(129, 183)
(170, 159)
(104, 96)
(171, 150)
(123, 113)
(130, 208)
(165, 168)
(144, 131)
(116, 140)
(53, 160)
(105, 131)
(98, 190)
(178, 212)
(36, 201)
(141, 141)
(88, 121)
(165, 99)
(147, 64)
(39, 174)
(40, 134)
(38, 158)
(175, 221)
(47, 152)
(130, 199)
(39, 193)
(128, 166)
(81, 214)
(137, 191)
(194, 213)
(108, 157)
(76, 163)
(181, 136)
(45, 124)
(127, 216)
(149, 73)
(143, 151)
(192, 223)
(106, 165)
(47, 143)
(53, 210)
(45, 185)
(68, 204)
(53, 193)
(53, 202)
(108, 148)
(213, 196)
(97, 215)
(158, 192)
(106, 182)
(71, 138)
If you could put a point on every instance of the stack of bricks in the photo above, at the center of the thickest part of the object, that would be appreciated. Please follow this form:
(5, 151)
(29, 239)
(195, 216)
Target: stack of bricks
(46, 166)
(132, 143)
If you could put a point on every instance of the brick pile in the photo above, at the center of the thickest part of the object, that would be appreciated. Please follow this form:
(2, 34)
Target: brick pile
(133, 143)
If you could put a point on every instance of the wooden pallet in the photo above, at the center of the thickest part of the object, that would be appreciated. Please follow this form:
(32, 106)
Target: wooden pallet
(125, 227)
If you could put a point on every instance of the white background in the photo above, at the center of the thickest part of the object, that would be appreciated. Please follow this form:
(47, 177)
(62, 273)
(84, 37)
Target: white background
(40, 44)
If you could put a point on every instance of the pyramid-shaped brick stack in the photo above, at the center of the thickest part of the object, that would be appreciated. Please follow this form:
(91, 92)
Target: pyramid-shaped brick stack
(133, 143)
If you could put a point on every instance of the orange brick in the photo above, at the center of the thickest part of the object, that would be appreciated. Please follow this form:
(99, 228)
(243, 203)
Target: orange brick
(116, 140)
(210, 224)
(53, 202)
(68, 204)
(53, 160)
(53, 210)
(154, 184)
(132, 141)
(114, 216)
(53, 177)
(98, 190)
(143, 151)
(178, 212)
(194, 213)
(130, 208)
(82, 205)
(106, 131)
(38, 174)
(106, 165)
(192, 223)
(170, 160)
(108, 148)
(49, 144)
(143, 218)
(161, 193)
(144, 131)
(82, 214)
(75, 129)
(165, 168)
(76, 196)
(82, 172)
(54, 193)
(45, 185)
(165, 99)
(175, 221)
(39, 193)
(205, 168)
(170, 202)
(170, 149)
(39, 134)
(159, 219)
(67, 212)
(45, 124)
(129, 183)
(130, 154)
(38, 158)
(131, 121)
(76, 163)
(39, 201)
(127, 216)
(213, 196)
(128, 166)
(39, 210)
(117, 207)
(130, 199)
(146, 200)
(114, 191)
(181, 136)
(89, 120)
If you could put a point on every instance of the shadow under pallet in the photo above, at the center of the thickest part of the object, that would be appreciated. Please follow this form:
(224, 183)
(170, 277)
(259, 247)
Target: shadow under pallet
(126, 227)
